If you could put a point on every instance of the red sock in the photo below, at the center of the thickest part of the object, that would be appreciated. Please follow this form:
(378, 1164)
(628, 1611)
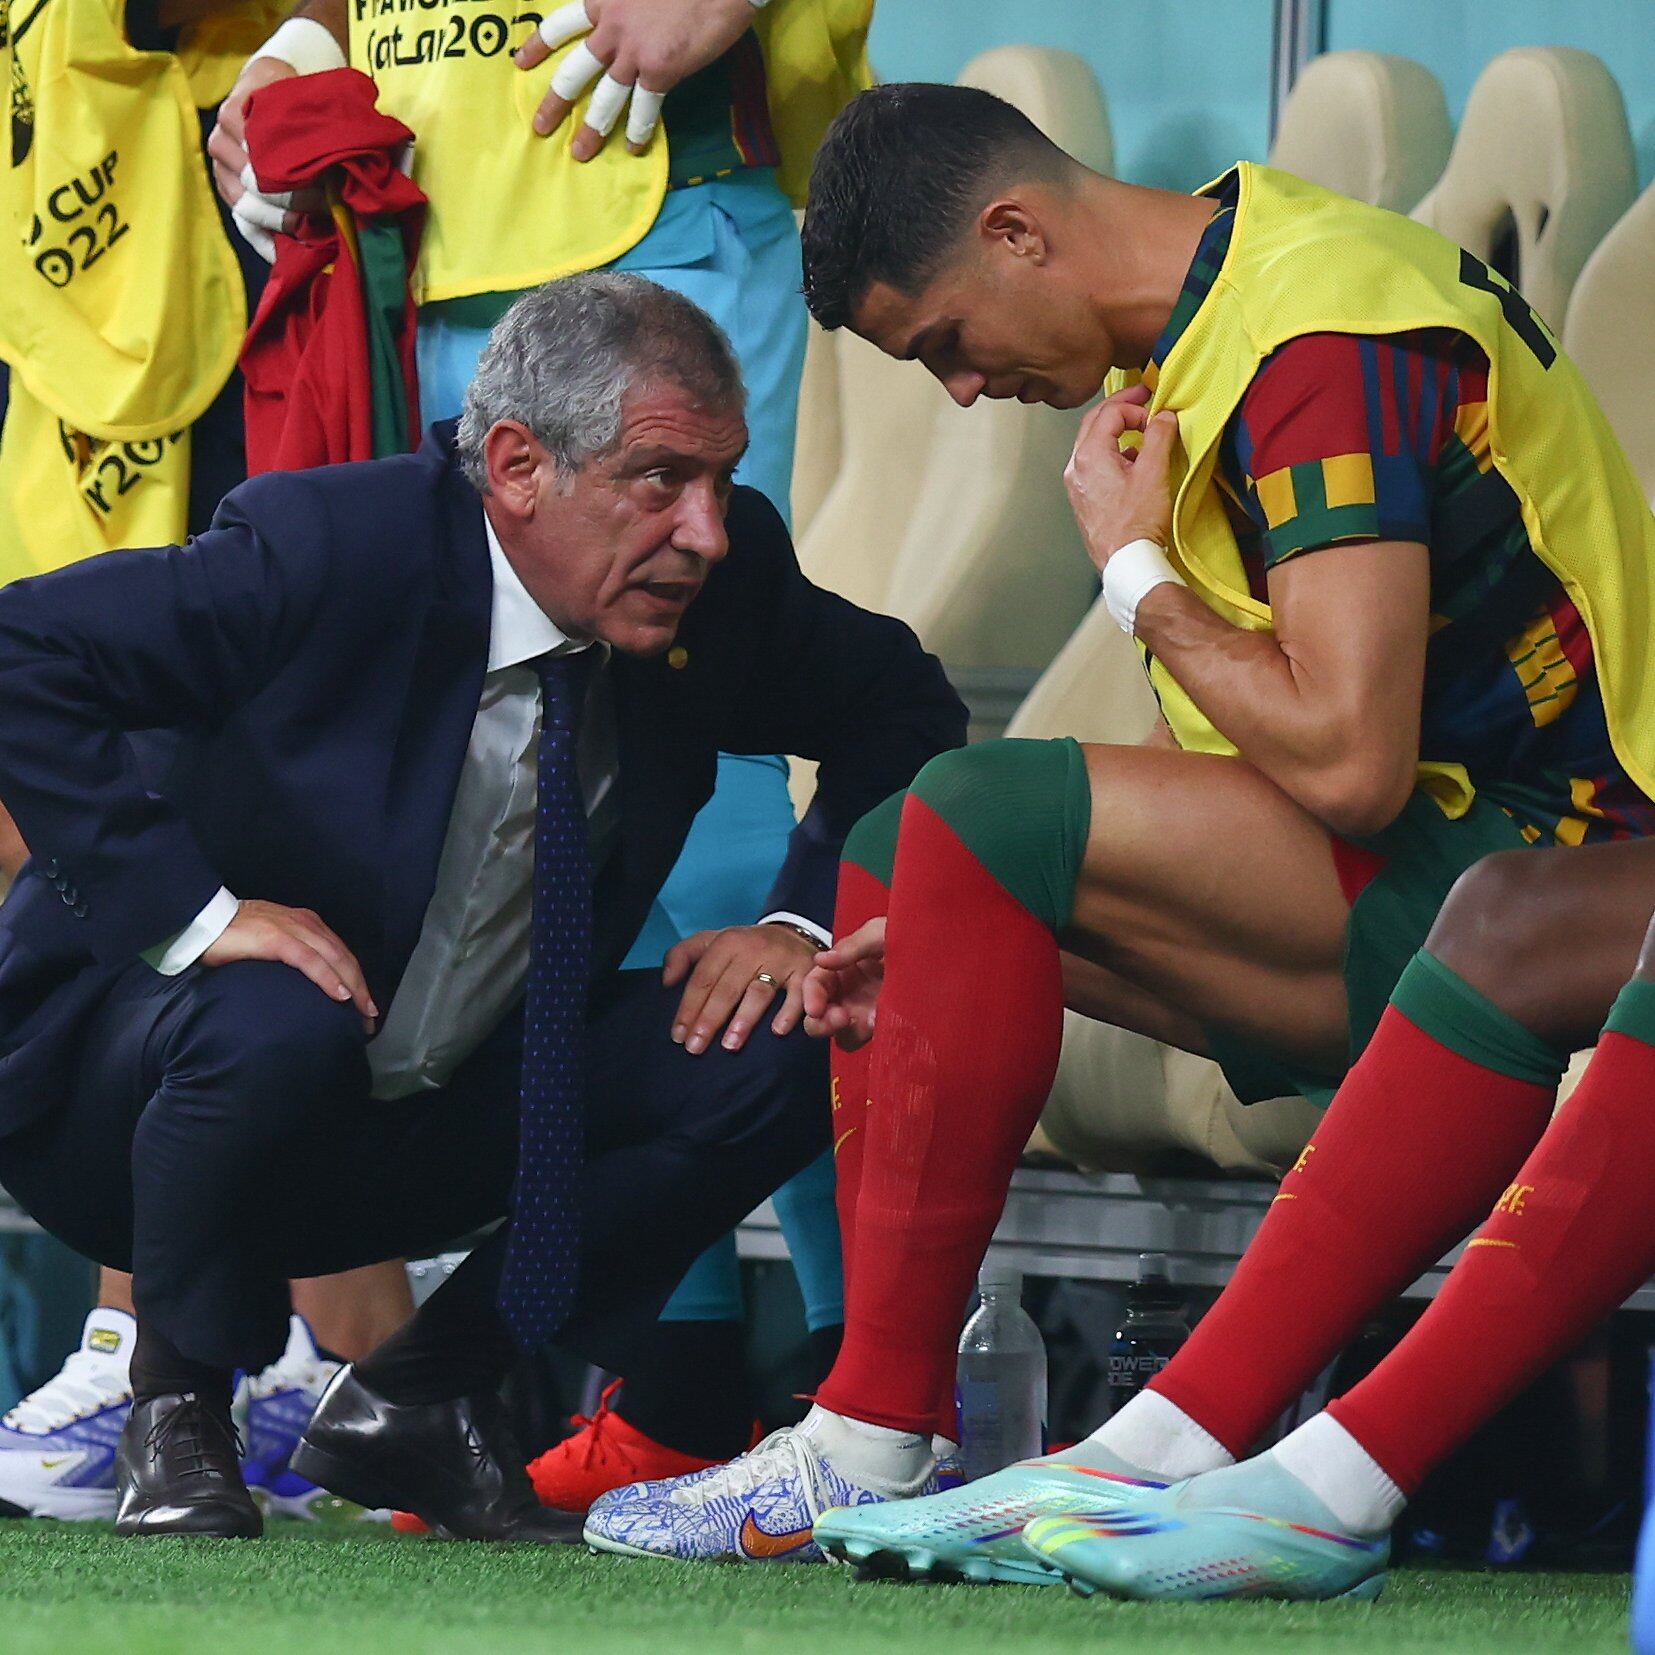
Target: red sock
(861, 897)
(970, 1020)
(1411, 1154)
(1570, 1238)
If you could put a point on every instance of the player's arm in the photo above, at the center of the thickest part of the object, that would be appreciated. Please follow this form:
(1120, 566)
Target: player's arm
(1328, 705)
(1337, 479)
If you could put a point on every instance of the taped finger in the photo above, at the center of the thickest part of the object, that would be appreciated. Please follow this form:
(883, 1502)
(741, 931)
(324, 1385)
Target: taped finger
(562, 25)
(255, 235)
(576, 72)
(608, 100)
(261, 210)
(249, 181)
(642, 117)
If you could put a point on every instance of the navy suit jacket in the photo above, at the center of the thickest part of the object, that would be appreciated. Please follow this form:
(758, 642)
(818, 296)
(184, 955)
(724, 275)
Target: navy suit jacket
(282, 706)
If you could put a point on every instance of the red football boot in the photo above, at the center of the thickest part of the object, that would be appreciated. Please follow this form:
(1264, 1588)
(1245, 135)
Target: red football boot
(605, 1452)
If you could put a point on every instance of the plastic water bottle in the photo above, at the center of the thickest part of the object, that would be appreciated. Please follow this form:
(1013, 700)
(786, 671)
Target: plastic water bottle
(1154, 1327)
(1643, 1578)
(1002, 1378)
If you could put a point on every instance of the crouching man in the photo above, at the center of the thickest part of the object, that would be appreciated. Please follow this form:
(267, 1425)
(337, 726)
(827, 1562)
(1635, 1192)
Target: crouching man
(343, 816)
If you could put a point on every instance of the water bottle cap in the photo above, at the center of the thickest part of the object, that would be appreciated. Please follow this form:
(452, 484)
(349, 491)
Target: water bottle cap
(1151, 1265)
(1000, 1278)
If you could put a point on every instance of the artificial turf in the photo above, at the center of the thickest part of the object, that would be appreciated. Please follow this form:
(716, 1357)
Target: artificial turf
(301, 1591)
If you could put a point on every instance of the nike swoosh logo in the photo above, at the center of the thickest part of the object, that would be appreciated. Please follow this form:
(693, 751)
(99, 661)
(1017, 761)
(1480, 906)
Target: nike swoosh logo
(758, 1543)
(839, 1142)
(52, 1465)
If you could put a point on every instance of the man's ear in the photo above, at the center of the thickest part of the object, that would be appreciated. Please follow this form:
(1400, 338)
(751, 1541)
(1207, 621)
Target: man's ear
(512, 458)
(1009, 225)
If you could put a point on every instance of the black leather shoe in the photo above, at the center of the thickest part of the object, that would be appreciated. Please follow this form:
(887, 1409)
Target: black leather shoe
(178, 1471)
(456, 1465)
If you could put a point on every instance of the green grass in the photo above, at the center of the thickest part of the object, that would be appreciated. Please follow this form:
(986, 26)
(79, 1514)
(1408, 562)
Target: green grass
(64, 1591)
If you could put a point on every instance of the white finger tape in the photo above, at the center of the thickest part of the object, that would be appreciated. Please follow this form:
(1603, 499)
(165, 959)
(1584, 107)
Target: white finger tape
(645, 112)
(256, 237)
(565, 23)
(254, 208)
(1130, 576)
(278, 198)
(576, 72)
(608, 100)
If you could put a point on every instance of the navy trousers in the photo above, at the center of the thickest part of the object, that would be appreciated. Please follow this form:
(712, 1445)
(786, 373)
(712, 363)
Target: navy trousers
(219, 1138)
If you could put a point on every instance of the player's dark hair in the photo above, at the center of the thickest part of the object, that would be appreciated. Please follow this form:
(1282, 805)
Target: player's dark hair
(902, 173)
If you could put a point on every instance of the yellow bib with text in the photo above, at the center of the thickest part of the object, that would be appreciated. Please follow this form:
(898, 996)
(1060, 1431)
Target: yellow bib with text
(1304, 260)
(510, 210)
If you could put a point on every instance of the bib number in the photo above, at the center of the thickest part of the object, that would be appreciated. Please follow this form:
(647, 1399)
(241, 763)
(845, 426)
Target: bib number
(1518, 312)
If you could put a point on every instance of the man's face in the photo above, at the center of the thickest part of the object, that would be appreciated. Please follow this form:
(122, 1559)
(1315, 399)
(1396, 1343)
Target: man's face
(618, 550)
(995, 322)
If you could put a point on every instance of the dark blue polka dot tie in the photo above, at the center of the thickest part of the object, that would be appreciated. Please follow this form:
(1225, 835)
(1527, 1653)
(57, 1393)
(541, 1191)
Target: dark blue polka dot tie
(537, 1283)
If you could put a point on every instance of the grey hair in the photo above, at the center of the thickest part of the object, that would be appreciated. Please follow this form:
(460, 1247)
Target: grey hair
(563, 358)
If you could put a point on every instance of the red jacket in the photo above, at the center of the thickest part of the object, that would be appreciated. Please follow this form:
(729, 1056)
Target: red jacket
(306, 361)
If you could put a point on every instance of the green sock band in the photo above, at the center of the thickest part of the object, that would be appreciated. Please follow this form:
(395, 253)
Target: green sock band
(1446, 1007)
(871, 844)
(1023, 809)
(1633, 1013)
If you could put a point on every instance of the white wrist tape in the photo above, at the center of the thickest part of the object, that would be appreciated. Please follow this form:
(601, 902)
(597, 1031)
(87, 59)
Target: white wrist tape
(305, 45)
(1130, 575)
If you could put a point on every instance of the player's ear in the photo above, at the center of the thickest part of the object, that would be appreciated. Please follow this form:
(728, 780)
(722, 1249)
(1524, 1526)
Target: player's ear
(1010, 225)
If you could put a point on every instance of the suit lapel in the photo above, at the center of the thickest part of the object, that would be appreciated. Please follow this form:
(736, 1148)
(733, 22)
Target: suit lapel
(444, 689)
(659, 756)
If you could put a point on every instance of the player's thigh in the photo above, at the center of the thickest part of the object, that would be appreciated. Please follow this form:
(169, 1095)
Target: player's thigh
(1207, 886)
(1551, 935)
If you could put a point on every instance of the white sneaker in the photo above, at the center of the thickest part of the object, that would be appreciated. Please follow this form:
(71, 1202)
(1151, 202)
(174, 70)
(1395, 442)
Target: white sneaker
(57, 1446)
(271, 1411)
(760, 1508)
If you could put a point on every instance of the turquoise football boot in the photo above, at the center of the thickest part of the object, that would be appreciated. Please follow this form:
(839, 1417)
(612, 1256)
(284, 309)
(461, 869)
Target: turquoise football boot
(1248, 1531)
(974, 1533)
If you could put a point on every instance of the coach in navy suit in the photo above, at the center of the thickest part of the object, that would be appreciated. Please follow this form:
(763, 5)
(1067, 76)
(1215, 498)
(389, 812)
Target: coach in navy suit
(262, 983)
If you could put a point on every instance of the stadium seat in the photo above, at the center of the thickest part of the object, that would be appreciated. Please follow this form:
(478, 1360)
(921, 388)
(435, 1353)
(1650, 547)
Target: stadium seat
(1366, 124)
(816, 452)
(956, 519)
(1541, 169)
(1121, 1102)
(1610, 332)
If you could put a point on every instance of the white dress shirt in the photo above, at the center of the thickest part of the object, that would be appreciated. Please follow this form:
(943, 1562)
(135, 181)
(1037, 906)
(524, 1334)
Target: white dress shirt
(468, 966)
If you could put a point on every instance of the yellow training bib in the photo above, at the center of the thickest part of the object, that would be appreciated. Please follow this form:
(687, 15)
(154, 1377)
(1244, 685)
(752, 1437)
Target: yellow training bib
(1304, 260)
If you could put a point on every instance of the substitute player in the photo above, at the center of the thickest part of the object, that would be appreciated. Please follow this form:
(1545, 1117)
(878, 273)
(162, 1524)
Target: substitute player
(1388, 566)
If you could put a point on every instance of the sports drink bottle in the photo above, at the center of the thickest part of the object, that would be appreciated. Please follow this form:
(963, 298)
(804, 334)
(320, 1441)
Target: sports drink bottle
(1002, 1378)
(1147, 1339)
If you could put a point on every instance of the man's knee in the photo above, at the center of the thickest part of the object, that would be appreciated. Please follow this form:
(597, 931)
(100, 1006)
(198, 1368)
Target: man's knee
(1496, 926)
(871, 842)
(262, 1034)
(771, 1106)
(1023, 809)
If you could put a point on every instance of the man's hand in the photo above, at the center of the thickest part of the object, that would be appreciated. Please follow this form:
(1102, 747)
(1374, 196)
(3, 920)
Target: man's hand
(643, 47)
(1121, 495)
(842, 991)
(295, 937)
(258, 216)
(724, 969)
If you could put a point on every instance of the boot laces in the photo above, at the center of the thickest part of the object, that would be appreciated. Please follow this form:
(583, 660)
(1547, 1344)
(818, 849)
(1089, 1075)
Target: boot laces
(192, 1435)
(596, 1428)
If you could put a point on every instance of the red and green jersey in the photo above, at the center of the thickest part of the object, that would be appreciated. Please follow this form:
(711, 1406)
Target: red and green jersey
(1347, 439)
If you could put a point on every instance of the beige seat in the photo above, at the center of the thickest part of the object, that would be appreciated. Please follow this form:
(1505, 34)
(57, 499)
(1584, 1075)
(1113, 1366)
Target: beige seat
(1121, 1102)
(956, 519)
(1366, 124)
(1541, 169)
(816, 450)
(1610, 332)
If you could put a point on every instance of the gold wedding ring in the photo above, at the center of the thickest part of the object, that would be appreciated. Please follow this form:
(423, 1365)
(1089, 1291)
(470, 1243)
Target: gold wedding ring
(765, 977)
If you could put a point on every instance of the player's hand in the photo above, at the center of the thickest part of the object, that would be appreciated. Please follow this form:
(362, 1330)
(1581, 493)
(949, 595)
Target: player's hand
(295, 937)
(1119, 495)
(259, 214)
(642, 48)
(724, 986)
(841, 994)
